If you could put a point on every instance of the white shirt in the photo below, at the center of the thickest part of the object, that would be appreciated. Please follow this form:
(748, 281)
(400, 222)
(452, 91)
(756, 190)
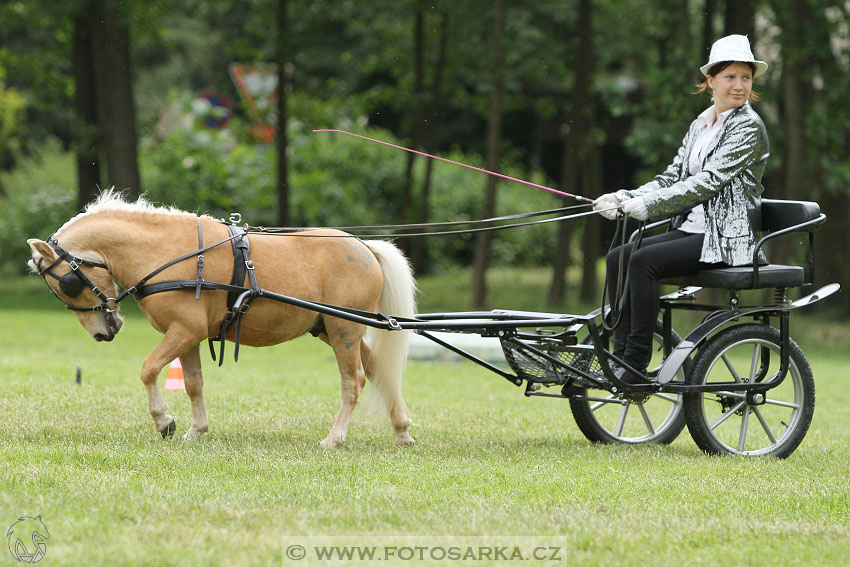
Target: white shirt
(695, 223)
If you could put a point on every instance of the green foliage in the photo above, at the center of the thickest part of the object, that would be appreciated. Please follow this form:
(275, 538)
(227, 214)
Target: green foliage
(11, 106)
(40, 197)
(207, 170)
(336, 180)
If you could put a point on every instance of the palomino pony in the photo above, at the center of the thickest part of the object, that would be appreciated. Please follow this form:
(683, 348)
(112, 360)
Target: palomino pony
(119, 241)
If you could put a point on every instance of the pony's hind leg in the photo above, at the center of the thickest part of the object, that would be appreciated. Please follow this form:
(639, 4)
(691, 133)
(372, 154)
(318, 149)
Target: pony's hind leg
(194, 381)
(344, 337)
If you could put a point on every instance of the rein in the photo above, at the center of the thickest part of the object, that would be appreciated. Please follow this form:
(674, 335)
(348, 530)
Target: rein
(618, 302)
(303, 232)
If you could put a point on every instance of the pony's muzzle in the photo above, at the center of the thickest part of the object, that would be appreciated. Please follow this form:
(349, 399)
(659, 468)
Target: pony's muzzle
(114, 322)
(101, 337)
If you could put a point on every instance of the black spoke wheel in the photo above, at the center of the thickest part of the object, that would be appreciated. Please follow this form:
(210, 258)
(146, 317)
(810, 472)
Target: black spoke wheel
(658, 418)
(725, 422)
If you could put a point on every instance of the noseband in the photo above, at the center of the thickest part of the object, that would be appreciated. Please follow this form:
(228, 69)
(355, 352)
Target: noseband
(74, 282)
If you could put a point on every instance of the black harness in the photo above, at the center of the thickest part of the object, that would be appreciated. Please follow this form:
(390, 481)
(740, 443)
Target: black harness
(239, 298)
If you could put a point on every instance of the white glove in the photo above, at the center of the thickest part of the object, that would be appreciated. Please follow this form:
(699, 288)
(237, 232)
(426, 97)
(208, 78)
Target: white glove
(636, 208)
(607, 205)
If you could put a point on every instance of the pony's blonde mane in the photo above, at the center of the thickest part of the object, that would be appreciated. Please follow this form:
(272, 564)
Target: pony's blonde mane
(112, 200)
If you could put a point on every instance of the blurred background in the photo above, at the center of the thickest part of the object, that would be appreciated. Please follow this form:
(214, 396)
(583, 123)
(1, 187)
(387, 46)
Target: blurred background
(210, 105)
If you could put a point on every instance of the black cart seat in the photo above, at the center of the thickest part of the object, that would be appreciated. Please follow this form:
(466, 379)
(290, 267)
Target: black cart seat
(778, 218)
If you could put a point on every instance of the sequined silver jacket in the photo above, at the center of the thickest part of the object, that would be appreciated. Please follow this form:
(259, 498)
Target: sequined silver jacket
(729, 187)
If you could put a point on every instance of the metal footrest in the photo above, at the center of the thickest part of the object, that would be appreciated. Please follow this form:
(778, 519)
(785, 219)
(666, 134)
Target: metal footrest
(549, 362)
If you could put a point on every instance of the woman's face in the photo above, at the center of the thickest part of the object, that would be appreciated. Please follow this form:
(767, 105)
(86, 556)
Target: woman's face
(731, 86)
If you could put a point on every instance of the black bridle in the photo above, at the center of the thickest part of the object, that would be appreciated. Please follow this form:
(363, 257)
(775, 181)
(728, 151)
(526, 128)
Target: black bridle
(74, 282)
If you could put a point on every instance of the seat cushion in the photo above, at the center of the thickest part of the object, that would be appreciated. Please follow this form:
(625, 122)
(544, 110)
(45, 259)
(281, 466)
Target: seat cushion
(771, 275)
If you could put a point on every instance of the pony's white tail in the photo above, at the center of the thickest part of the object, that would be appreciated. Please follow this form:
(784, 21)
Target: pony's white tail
(389, 348)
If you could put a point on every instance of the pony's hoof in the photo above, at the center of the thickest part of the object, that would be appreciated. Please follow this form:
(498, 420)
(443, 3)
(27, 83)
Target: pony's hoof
(169, 430)
(192, 435)
(404, 440)
(329, 443)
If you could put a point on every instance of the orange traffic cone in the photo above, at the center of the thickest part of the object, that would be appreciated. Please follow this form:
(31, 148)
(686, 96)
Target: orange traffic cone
(174, 378)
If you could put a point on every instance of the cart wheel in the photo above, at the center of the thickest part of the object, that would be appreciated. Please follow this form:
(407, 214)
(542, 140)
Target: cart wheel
(657, 419)
(723, 422)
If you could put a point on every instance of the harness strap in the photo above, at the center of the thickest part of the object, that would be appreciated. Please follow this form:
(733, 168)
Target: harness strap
(200, 261)
(174, 285)
(238, 297)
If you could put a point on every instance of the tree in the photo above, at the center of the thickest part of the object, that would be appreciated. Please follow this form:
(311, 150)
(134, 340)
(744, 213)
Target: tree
(581, 163)
(283, 61)
(740, 18)
(494, 139)
(418, 110)
(85, 105)
(114, 99)
(821, 168)
(419, 246)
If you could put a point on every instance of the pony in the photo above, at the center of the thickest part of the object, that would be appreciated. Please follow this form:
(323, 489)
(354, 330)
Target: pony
(115, 242)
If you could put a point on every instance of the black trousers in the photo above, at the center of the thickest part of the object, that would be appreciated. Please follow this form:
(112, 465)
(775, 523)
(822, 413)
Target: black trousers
(674, 253)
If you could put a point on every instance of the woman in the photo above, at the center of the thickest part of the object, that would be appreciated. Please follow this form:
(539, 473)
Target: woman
(712, 189)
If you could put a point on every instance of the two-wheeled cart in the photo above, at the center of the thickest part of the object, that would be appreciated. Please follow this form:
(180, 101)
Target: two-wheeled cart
(738, 380)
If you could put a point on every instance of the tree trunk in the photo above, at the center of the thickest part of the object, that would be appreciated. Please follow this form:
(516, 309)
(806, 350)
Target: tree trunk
(85, 103)
(561, 255)
(590, 249)
(113, 78)
(494, 140)
(591, 175)
(283, 59)
(406, 201)
(793, 112)
(708, 38)
(419, 246)
(577, 149)
(740, 18)
(832, 253)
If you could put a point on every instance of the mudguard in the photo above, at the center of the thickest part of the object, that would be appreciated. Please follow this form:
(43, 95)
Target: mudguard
(696, 337)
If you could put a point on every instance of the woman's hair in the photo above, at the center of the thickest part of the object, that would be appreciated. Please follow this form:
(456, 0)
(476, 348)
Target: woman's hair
(716, 69)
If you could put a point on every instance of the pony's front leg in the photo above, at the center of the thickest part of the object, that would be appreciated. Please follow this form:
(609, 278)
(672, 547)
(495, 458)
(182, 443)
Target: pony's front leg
(157, 407)
(175, 342)
(194, 380)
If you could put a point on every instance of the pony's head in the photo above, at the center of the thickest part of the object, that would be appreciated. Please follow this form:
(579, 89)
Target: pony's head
(84, 285)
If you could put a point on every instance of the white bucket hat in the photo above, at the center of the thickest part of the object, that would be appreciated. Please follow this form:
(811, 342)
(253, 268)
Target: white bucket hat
(733, 48)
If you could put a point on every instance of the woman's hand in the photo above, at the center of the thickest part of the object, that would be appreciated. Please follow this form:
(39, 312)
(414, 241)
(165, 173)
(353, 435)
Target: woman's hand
(607, 205)
(636, 208)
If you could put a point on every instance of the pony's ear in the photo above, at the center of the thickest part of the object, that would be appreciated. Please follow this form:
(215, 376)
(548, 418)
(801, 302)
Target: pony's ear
(42, 254)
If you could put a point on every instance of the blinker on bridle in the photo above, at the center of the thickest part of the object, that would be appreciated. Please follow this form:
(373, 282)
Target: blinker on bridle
(74, 282)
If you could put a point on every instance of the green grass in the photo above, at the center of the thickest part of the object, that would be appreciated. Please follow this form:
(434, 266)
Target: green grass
(487, 460)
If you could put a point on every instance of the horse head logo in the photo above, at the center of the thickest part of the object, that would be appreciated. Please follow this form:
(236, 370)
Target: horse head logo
(28, 539)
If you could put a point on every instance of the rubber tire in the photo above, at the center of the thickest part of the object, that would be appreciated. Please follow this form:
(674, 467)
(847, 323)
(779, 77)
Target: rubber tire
(596, 433)
(799, 373)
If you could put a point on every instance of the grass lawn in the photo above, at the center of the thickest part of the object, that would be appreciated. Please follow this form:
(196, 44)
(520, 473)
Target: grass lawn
(488, 462)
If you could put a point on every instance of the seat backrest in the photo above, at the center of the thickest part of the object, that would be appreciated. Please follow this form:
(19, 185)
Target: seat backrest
(777, 214)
